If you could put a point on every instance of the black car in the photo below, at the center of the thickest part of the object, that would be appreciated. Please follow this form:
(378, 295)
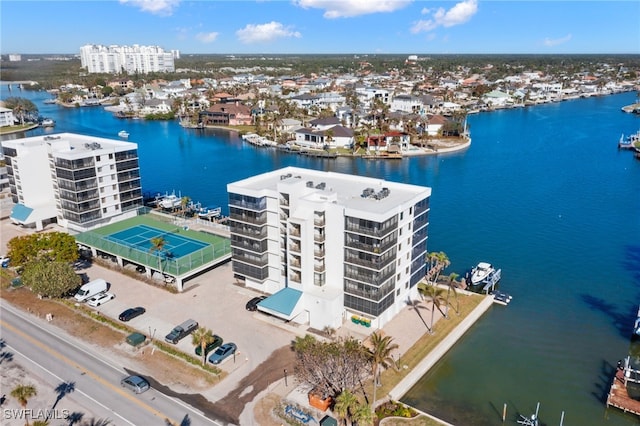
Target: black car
(252, 304)
(131, 313)
(217, 341)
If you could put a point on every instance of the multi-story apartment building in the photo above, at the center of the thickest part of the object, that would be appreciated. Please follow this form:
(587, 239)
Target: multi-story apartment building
(132, 59)
(78, 181)
(327, 245)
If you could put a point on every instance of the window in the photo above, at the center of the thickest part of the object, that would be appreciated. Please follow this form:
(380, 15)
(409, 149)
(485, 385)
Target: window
(104, 210)
(111, 167)
(102, 189)
(115, 197)
(113, 187)
(111, 157)
(99, 169)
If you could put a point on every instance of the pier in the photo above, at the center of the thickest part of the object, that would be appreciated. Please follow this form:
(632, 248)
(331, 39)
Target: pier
(619, 394)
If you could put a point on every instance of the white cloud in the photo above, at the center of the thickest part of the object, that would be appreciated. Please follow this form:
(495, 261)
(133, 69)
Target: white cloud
(207, 37)
(155, 7)
(349, 8)
(554, 42)
(265, 32)
(458, 14)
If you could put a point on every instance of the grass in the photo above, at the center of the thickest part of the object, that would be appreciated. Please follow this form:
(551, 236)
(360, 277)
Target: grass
(412, 357)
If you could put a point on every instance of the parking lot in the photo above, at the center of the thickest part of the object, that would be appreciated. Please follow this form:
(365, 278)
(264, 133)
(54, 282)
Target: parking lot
(212, 299)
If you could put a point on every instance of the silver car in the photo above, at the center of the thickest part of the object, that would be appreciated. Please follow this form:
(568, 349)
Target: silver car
(136, 384)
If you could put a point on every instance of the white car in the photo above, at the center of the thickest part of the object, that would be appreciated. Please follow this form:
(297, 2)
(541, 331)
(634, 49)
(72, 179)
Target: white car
(100, 299)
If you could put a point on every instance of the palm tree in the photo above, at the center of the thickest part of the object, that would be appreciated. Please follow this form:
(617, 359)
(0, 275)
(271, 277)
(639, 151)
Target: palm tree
(345, 404)
(363, 415)
(435, 294)
(451, 287)
(202, 337)
(157, 247)
(22, 393)
(442, 262)
(380, 356)
(184, 202)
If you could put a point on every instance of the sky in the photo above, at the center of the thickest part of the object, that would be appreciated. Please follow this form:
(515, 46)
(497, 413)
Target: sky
(324, 26)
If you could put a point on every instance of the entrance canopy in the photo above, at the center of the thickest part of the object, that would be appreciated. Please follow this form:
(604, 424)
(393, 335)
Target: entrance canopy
(284, 304)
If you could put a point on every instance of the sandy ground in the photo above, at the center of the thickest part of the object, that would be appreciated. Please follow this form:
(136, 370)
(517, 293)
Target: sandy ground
(14, 373)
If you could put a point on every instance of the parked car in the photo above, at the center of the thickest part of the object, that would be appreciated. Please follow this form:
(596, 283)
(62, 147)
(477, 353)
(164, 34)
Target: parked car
(252, 304)
(181, 331)
(131, 313)
(217, 341)
(91, 289)
(222, 353)
(4, 262)
(136, 384)
(100, 299)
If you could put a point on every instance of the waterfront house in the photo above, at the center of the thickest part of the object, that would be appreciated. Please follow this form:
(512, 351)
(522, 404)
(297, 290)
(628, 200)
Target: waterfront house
(6, 117)
(327, 246)
(336, 136)
(227, 114)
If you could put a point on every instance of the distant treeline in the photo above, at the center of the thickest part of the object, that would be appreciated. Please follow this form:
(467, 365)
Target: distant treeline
(52, 73)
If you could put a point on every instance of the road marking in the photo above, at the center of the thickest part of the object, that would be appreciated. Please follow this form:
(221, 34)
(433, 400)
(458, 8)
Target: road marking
(95, 401)
(94, 376)
(79, 345)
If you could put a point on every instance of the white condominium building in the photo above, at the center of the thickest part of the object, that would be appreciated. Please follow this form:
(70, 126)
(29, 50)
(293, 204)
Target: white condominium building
(131, 59)
(77, 181)
(329, 246)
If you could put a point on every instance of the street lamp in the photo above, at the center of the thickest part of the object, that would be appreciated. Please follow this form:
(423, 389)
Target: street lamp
(285, 377)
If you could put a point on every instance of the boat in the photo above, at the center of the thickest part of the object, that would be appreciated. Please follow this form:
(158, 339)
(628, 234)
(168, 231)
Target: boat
(47, 122)
(170, 201)
(500, 297)
(481, 272)
(50, 101)
(209, 212)
(636, 325)
(123, 134)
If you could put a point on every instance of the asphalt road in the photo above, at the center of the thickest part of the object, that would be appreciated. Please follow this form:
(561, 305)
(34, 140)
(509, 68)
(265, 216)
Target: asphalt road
(58, 358)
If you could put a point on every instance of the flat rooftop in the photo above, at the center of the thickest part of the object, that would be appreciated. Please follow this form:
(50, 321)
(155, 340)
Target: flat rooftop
(350, 191)
(72, 145)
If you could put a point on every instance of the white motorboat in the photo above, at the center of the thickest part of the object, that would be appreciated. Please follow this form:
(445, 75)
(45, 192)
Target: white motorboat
(123, 134)
(636, 325)
(481, 272)
(170, 202)
(209, 212)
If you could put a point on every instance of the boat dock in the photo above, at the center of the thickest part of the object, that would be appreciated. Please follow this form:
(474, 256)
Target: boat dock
(618, 394)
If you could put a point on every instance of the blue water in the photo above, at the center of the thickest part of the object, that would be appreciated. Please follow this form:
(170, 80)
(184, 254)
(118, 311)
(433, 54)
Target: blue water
(542, 193)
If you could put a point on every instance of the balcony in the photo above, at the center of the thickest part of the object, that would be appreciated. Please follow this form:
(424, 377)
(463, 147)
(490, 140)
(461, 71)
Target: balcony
(319, 238)
(294, 248)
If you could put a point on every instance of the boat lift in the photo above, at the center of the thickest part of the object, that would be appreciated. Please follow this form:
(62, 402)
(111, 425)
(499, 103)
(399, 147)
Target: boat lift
(530, 421)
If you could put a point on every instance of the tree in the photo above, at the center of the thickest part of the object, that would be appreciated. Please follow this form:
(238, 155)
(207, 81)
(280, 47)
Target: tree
(157, 247)
(451, 287)
(184, 203)
(202, 337)
(22, 393)
(435, 295)
(50, 279)
(332, 366)
(363, 415)
(21, 107)
(380, 357)
(48, 246)
(346, 404)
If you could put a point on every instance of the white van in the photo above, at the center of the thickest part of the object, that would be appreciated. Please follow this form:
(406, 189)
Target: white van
(90, 289)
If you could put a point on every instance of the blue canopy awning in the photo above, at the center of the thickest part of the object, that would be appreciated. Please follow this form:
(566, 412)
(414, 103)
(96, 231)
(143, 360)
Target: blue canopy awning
(20, 212)
(282, 303)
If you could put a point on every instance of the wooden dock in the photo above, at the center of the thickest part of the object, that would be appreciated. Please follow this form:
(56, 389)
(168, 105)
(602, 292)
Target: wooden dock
(619, 397)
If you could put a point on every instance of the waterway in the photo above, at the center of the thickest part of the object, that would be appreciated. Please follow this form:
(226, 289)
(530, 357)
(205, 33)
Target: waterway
(542, 192)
